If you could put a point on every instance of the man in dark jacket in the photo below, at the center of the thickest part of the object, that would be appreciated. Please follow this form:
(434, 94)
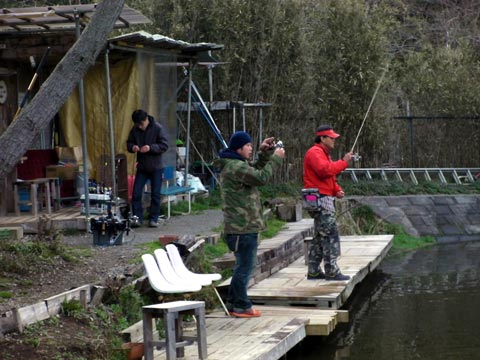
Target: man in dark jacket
(147, 139)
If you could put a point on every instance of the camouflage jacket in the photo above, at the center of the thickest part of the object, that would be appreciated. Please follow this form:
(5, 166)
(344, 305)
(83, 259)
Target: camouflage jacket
(239, 179)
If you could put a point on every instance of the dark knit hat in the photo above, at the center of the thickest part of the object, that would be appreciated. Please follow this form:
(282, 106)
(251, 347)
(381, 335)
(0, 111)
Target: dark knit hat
(239, 139)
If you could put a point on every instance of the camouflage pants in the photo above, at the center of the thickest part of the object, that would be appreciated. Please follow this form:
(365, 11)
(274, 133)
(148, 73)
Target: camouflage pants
(325, 244)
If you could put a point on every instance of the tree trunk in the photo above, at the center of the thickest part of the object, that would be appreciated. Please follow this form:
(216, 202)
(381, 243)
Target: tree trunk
(15, 141)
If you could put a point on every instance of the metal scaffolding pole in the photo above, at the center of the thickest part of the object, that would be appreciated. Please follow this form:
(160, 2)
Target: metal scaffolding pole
(189, 119)
(110, 128)
(81, 93)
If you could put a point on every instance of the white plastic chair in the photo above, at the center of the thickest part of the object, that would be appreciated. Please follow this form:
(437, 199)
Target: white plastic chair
(168, 272)
(182, 271)
(159, 283)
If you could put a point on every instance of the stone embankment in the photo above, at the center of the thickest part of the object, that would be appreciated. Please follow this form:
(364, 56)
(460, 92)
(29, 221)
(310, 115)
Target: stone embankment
(447, 218)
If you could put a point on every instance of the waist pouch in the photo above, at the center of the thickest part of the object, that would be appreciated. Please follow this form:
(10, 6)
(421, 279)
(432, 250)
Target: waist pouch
(312, 200)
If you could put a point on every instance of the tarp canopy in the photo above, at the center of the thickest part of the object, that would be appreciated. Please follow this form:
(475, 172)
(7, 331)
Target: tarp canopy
(125, 97)
(135, 83)
(143, 75)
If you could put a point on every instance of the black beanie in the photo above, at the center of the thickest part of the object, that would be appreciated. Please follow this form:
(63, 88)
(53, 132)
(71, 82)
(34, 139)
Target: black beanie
(239, 139)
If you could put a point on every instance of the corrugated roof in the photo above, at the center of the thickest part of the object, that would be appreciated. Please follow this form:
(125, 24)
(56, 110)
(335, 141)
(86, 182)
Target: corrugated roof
(58, 18)
(144, 39)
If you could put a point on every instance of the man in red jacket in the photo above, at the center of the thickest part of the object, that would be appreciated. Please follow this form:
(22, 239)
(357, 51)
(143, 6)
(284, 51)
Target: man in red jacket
(319, 172)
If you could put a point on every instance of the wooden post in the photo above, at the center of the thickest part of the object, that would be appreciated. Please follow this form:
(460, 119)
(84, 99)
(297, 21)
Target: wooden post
(8, 106)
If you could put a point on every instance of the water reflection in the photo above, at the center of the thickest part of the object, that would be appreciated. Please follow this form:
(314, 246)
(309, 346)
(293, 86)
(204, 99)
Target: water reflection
(417, 305)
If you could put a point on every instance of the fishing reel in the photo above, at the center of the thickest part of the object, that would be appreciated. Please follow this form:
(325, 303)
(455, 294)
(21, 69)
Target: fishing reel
(356, 157)
(278, 145)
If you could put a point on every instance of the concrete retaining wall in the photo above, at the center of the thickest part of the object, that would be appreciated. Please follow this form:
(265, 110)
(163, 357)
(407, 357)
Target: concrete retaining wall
(447, 218)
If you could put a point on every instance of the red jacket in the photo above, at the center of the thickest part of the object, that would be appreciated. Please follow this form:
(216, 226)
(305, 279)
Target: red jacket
(319, 171)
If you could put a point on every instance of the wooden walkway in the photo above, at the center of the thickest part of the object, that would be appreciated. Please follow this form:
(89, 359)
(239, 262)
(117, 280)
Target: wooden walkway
(294, 307)
(268, 337)
(289, 286)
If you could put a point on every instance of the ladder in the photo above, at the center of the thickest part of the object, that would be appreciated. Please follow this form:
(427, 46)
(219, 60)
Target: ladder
(457, 175)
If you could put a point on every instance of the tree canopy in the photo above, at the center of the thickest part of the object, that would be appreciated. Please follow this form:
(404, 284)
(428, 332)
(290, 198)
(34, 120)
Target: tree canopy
(320, 62)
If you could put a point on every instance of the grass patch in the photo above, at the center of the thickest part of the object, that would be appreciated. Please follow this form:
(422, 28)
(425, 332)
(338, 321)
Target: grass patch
(404, 241)
(5, 234)
(273, 227)
(149, 247)
(25, 282)
(368, 224)
(18, 256)
(5, 294)
(211, 201)
(215, 251)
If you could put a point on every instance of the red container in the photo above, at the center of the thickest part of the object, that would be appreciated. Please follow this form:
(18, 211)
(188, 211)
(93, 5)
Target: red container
(167, 239)
(134, 351)
(130, 182)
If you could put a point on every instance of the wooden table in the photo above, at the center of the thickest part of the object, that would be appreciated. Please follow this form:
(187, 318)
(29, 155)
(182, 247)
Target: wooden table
(43, 189)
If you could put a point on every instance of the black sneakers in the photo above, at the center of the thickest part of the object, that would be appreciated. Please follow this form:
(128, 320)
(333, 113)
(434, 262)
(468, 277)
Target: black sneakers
(338, 277)
(321, 275)
(316, 276)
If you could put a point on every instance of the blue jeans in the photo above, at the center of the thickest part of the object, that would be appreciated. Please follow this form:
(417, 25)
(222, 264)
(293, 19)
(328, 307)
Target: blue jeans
(244, 247)
(141, 178)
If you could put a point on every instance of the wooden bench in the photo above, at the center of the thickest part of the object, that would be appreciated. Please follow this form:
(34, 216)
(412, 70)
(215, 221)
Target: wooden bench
(47, 188)
(174, 191)
(170, 188)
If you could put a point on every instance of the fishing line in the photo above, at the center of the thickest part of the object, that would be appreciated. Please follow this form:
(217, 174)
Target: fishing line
(369, 106)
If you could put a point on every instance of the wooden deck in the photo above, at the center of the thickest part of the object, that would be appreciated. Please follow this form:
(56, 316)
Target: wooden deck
(295, 307)
(65, 218)
(268, 337)
(289, 286)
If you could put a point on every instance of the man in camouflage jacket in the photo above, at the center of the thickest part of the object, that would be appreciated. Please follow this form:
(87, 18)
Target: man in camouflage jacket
(242, 210)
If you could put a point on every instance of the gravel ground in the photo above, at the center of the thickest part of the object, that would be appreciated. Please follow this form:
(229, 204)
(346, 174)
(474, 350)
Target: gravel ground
(105, 262)
(198, 225)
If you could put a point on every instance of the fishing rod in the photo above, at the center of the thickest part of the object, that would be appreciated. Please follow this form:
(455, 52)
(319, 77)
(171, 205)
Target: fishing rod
(368, 109)
(32, 82)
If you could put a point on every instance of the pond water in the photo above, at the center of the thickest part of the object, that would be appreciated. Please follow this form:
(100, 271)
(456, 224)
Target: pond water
(423, 304)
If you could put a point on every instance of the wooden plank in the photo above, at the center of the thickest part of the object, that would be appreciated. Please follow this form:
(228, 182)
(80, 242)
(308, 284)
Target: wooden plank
(31, 314)
(319, 321)
(54, 303)
(283, 340)
(66, 217)
(134, 333)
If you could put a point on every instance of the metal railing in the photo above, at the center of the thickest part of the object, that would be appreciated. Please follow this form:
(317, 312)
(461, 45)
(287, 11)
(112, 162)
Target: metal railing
(443, 175)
